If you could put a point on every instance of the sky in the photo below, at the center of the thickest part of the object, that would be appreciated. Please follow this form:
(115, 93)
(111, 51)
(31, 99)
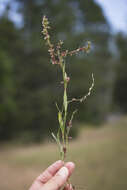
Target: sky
(116, 13)
(114, 10)
(13, 15)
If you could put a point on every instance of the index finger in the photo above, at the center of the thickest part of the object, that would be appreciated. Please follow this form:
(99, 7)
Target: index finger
(50, 171)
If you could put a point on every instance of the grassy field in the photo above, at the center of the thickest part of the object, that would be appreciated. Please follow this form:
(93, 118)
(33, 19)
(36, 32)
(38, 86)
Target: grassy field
(100, 156)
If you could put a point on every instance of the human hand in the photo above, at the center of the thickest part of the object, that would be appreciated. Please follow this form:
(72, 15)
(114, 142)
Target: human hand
(54, 177)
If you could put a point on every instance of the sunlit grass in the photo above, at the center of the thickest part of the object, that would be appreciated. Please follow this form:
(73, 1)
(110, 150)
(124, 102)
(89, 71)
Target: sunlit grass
(100, 156)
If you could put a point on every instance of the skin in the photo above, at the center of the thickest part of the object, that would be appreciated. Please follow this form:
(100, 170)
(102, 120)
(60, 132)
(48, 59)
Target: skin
(54, 177)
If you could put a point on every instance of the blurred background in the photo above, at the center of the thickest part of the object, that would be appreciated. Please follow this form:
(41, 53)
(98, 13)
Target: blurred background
(30, 86)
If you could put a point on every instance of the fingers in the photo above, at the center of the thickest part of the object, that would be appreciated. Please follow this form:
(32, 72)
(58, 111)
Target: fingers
(50, 171)
(54, 177)
(46, 175)
(70, 166)
(68, 187)
(58, 180)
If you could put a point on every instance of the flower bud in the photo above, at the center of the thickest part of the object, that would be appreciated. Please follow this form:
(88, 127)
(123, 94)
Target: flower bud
(68, 79)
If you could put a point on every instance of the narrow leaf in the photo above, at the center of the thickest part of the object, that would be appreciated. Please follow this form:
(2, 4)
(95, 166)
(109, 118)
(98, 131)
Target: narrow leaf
(60, 119)
(65, 100)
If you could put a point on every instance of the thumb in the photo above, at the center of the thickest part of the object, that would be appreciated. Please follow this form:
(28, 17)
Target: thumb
(57, 181)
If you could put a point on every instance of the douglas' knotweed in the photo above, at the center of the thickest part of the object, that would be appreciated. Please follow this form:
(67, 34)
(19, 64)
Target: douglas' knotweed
(58, 57)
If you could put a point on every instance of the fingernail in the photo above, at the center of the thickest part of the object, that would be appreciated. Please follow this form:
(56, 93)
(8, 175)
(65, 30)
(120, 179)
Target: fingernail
(71, 164)
(63, 172)
(59, 162)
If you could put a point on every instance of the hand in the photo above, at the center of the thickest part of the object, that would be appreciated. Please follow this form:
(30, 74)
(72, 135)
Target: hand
(54, 177)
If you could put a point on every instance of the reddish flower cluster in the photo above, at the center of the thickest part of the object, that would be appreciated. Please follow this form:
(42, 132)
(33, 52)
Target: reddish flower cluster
(55, 55)
(51, 50)
(85, 48)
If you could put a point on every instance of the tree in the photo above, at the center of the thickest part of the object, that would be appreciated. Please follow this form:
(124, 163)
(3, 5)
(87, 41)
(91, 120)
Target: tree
(120, 90)
(36, 84)
(8, 57)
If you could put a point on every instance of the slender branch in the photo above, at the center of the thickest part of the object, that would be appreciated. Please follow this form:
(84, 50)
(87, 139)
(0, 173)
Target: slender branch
(82, 99)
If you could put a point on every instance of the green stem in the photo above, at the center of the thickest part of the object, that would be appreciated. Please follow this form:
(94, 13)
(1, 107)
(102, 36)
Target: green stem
(65, 105)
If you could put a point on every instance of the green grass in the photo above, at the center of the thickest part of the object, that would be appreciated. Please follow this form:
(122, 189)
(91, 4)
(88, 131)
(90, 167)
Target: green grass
(100, 156)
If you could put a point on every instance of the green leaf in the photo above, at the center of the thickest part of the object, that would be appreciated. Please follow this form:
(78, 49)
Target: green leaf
(54, 137)
(60, 119)
(65, 100)
(65, 75)
(58, 142)
(73, 113)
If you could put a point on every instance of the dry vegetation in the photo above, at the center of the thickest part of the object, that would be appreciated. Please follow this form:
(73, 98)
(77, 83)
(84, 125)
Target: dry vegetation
(100, 156)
